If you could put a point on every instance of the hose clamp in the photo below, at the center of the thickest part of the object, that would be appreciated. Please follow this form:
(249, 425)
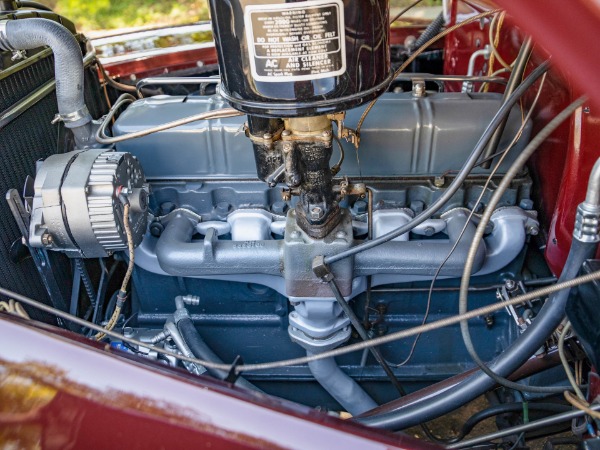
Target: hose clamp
(587, 223)
(75, 116)
(4, 43)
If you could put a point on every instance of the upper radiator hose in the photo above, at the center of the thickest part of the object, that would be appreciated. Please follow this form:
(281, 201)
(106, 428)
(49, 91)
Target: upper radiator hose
(27, 34)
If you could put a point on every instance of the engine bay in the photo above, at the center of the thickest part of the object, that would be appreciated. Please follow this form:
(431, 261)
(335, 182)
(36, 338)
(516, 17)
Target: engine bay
(309, 223)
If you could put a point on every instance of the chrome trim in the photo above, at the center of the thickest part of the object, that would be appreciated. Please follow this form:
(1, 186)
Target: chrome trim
(23, 105)
(435, 77)
(25, 63)
(154, 81)
(145, 54)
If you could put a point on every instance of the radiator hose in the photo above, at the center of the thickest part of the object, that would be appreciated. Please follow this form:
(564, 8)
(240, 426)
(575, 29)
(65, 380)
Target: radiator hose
(28, 34)
(202, 351)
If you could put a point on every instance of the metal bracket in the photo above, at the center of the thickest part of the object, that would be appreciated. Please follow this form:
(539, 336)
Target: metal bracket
(321, 270)
(232, 376)
(276, 176)
(343, 132)
(346, 188)
(39, 255)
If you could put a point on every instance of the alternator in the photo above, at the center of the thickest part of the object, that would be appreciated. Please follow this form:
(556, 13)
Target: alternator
(79, 199)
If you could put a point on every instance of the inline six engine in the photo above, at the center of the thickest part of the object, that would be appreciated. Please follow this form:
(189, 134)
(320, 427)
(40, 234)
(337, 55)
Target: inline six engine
(249, 242)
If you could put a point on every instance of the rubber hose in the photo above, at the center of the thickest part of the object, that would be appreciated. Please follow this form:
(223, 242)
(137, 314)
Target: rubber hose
(202, 351)
(32, 4)
(27, 34)
(340, 386)
(515, 79)
(510, 360)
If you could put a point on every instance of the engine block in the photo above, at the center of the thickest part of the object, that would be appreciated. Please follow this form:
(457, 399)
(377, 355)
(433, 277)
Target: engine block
(218, 232)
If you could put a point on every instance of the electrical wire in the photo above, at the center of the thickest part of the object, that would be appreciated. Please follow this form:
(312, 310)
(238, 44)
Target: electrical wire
(503, 408)
(405, 10)
(420, 50)
(115, 84)
(516, 78)
(364, 336)
(565, 361)
(485, 84)
(514, 446)
(533, 425)
(102, 138)
(496, 197)
(13, 307)
(495, 40)
(449, 192)
(338, 166)
(122, 296)
(504, 153)
(581, 405)
(392, 337)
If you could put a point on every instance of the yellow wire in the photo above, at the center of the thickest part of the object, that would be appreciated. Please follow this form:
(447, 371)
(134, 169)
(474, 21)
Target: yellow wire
(13, 307)
(565, 362)
(582, 405)
(117, 312)
(495, 40)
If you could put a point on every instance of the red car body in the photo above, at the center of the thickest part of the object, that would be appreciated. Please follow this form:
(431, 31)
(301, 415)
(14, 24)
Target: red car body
(58, 390)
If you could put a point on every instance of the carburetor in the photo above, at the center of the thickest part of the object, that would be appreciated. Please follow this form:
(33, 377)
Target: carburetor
(309, 62)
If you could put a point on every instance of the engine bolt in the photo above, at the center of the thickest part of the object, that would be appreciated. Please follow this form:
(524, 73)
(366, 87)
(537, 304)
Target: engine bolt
(526, 204)
(47, 239)
(510, 285)
(286, 133)
(128, 332)
(429, 231)
(316, 213)
(18, 55)
(360, 207)
(533, 230)
(419, 89)
(156, 229)
(439, 181)
(287, 148)
(341, 234)
(267, 136)
(167, 207)
(326, 134)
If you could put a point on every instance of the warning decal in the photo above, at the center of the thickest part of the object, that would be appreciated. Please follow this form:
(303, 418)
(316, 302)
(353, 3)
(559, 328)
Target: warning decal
(296, 41)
